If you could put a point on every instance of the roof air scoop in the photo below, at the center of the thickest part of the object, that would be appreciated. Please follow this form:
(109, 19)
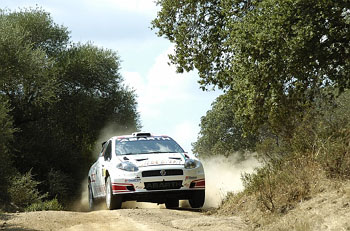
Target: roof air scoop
(141, 134)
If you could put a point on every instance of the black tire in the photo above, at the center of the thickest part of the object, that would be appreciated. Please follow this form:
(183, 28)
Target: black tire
(112, 201)
(91, 198)
(171, 203)
(198, 198)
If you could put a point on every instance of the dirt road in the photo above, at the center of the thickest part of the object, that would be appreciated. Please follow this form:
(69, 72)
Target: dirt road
(157, 219)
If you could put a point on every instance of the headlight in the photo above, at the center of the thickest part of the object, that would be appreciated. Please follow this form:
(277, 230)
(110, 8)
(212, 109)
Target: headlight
(191, 163)
(128, 166)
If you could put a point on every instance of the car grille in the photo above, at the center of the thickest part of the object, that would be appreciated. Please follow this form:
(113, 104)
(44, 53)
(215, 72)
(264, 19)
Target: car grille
(168, 172)
(159, 185)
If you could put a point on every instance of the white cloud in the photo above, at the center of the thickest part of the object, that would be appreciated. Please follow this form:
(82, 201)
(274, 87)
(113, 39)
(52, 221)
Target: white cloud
(185, 133)
(134, 80)
(170, 103)
(162, 86)
(147, 7)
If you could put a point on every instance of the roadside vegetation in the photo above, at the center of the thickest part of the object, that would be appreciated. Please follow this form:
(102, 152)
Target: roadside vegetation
(56, 95)
(284, 69)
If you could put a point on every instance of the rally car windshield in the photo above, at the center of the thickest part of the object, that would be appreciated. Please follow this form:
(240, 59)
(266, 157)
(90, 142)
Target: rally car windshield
(146, 145)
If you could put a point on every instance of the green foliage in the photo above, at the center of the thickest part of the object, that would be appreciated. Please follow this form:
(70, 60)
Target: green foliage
(282, 64)
(221, 133)
(294, 168)
(6, 125)
(23, 190)
(40, 31)
(276, 56)
(61, 95)
(199, 31)
(58, 183)
(6, 136)
(26, 76)
(333, 138)
(279, 185)
(45, 206)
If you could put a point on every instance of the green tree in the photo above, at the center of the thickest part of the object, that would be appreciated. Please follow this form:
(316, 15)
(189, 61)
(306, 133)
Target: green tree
(26, 83)
(6, 136)
(276, 56)
(221, 133)
(61, 95)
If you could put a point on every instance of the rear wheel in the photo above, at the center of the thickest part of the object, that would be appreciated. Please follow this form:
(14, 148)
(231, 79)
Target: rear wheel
(112, 201)
(91, 198)
(197, 199)
(171, 203)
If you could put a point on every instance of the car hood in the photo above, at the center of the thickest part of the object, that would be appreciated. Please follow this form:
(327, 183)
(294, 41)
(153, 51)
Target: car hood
(143, 160)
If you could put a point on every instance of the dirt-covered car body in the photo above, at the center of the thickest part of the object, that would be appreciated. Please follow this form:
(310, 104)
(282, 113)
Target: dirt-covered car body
(146, 168)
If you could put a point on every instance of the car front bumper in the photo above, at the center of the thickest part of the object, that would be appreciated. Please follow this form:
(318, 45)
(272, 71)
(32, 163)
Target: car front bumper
(160, 183)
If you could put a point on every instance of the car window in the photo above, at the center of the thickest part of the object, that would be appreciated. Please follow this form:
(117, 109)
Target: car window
(146, 145)
(104, 145)
(108, 152)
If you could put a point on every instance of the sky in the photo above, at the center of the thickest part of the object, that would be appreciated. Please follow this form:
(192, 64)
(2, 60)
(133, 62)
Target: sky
(168, 103)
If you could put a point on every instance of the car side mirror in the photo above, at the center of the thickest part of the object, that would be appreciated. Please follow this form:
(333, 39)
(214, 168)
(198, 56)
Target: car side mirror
(186, 155)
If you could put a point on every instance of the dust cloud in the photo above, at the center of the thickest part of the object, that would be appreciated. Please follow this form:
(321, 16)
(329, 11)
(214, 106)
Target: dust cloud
(107, 132)
(223, 175)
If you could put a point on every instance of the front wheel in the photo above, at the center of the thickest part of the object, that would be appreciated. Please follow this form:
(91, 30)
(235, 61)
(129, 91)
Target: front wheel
(112, 202)
(197, 199)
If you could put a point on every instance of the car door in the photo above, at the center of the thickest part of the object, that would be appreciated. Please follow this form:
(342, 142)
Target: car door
(93, 175)
(102, 167)
(99, 184)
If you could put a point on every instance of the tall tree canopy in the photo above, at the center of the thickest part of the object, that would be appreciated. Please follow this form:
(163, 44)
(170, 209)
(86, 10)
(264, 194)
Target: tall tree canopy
(56, 96)
(275, 56)
(221, 133)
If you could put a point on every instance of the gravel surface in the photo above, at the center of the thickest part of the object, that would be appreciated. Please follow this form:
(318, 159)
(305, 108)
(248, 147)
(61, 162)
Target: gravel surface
(124, 219)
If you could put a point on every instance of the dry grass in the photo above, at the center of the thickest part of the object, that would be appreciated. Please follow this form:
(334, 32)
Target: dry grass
(305, 181)
(327, 209)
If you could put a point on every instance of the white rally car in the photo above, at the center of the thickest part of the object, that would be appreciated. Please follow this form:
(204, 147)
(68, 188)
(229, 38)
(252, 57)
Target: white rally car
(146, 168)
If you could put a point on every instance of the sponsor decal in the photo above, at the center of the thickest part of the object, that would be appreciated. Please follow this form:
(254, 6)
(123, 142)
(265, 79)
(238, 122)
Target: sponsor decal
(143, 138)
(160, 162)
(191, 177)
(93, 177)
(163, 185)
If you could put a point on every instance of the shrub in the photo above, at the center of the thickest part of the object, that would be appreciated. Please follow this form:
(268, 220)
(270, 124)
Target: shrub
(58, 184)
(334, 139)
(23, 190)
(278, 186)
(44, 206)
(319, 145)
